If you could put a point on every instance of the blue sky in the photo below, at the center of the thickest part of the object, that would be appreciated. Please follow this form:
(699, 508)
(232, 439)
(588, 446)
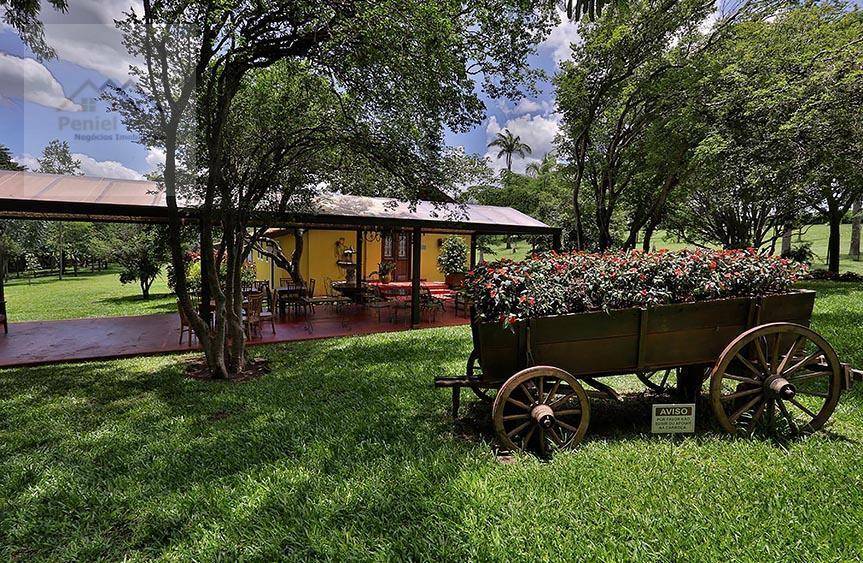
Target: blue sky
(57, 98)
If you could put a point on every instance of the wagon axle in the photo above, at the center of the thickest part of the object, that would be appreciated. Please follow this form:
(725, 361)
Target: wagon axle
(779, 388)
(542, 415)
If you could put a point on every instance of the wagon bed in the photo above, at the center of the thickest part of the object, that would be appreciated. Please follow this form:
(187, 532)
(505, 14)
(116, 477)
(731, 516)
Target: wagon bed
(632, 340)
(765, 365)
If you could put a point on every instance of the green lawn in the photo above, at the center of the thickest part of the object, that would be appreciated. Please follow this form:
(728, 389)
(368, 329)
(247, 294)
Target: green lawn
(346, 452)
(97, 294)
(817, 235)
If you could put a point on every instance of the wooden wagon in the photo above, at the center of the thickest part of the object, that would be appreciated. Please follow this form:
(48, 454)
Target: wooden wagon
(767, 369)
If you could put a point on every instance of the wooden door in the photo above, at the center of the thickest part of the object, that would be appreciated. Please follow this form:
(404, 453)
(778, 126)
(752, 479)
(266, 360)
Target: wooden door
(397, 249)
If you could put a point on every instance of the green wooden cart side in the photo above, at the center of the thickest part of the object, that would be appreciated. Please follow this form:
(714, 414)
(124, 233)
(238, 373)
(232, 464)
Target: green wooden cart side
(598, 344)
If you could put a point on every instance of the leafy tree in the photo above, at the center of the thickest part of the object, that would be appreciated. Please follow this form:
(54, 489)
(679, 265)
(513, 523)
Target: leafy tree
(10, 230)
(57, 159)
(400, 72)
(618, 96)
(6, 162)
(779, 103)
(23, 16)
(509, 145)
(817, 53)
(141, 252)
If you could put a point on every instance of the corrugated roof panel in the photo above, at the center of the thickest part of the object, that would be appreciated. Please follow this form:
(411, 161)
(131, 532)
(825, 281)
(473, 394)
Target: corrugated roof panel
(98, 195)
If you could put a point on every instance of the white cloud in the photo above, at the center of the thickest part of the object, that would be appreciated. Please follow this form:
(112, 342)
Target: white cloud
(89, 166)
(561, 37)
(27, 160)
(106, 168)
(29, 80)
(87, 35)
(538, 131)
(155, 158)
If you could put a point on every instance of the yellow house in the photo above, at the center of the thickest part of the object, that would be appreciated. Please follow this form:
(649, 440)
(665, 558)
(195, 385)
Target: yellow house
(344, 233)
(326, 253)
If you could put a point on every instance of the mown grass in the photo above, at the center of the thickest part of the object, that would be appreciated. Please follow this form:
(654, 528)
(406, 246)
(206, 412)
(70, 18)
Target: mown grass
(346, 452)
(88, 294)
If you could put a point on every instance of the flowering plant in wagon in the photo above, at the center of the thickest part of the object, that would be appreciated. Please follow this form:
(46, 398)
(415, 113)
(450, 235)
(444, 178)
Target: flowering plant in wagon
(555, 284)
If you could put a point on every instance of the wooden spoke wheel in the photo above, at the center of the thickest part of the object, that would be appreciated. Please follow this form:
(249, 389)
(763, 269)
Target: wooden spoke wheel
(658, 381)
(780, 377)
(474, 376)
(542, 409)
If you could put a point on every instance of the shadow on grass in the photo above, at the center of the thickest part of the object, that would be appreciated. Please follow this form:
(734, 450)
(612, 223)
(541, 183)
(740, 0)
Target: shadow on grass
(152, 304)
(333, 414)
(630, 419)
(67, 277)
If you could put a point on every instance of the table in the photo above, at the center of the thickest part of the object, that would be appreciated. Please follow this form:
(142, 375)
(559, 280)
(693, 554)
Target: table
(289, 294)
(355, 292)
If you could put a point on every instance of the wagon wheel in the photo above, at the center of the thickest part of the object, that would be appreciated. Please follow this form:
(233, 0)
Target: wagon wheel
(782, 377)
(658, 381)
(541, 408)
(474, 377)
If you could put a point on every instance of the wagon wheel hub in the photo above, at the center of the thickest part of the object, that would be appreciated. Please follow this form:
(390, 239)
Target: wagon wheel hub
(779, 387)
(543, 415)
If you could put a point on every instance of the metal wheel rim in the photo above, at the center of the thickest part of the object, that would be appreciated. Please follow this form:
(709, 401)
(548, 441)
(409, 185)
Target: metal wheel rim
(537, 388)
(746, 409)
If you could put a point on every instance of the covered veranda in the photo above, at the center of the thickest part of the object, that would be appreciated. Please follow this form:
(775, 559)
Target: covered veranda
(26, 195)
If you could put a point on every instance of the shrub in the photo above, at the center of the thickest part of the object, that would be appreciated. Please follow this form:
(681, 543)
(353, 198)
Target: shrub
(821, 274)
(555, 284)
(801, 253)
(453, 256)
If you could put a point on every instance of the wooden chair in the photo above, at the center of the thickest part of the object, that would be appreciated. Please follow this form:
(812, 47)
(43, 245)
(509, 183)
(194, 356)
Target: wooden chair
(429, 304)
(252, 316)
(268, 315)
(4, 318)
(462, 301)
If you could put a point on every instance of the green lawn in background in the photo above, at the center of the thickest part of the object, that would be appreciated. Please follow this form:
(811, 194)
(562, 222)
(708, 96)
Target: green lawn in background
(817, 235)
(346, 452)
(98, 294)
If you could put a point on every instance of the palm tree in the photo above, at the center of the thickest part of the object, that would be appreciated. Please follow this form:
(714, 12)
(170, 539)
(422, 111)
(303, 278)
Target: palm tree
(543, 167)
(510, 144)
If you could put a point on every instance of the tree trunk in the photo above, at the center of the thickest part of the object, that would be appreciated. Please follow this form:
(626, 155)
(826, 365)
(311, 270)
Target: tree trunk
(648, 234)
(786, 240)
(62, 265)
(854, 251)
(833, 243)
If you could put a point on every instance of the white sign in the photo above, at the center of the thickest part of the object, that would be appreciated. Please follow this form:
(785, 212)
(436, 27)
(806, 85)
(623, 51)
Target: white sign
(673, 418)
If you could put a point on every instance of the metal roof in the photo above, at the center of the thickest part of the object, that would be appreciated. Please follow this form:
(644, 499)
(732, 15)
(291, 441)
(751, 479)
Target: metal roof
(51, 196)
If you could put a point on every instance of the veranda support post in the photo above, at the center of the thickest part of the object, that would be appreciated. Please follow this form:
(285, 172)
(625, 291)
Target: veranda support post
(360, 275)
(416, 248)
(472, 250)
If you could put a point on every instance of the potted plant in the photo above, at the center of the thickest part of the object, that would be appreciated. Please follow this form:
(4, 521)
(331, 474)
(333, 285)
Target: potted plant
(452, 261)
(385, 268)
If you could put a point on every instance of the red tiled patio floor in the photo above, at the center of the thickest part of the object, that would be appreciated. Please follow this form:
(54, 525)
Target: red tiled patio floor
(48, 342)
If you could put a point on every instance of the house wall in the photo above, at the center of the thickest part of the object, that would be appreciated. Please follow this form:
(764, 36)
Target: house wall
(320, 255)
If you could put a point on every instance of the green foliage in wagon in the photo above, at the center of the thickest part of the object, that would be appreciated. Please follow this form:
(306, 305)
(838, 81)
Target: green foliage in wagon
(556, 284)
